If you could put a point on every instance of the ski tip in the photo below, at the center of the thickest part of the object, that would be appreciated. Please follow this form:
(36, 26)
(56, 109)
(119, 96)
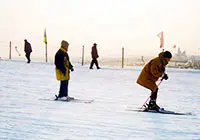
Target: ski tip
(189, 113)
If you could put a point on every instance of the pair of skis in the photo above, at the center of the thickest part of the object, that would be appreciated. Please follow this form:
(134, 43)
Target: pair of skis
(70, 100)
(161, 111)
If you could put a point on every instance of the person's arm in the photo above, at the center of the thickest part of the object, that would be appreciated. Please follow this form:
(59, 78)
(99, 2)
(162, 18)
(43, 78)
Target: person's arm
(70, 65)
(24, 47)
(30, 47)
(97, 55)
(155, 69)
(59, 62)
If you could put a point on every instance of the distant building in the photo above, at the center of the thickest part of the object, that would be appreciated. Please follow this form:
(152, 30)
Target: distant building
(180, 56)
(183, 61)
(193, 62)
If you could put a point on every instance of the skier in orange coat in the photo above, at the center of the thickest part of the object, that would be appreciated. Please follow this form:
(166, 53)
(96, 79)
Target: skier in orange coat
(151, 72)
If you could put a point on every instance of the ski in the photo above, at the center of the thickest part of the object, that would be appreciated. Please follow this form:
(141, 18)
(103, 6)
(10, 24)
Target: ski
(77, 100)
(70, 100)
(160, 111)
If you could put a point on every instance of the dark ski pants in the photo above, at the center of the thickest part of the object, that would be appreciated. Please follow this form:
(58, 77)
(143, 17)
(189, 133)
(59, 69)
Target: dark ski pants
(94, 61)
(28, 57)
(63, 88)
(154, 95)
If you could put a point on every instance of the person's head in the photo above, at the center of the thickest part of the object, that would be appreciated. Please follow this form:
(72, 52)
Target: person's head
(64, 45)
(167, 56)
(25, 40)
(95, 44)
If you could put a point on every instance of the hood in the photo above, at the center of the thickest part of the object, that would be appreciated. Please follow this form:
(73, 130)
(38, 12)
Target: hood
(161, 56)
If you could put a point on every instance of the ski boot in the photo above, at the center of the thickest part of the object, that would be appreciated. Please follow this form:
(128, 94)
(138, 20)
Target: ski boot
(64, 98)
(145, 107)
(153, 106)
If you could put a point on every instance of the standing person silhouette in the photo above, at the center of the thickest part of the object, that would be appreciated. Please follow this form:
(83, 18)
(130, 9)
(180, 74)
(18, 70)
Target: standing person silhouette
(63, 67)
(27, 50)
(95, 55)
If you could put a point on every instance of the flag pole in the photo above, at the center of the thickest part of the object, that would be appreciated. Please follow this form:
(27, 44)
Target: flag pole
(45, 41)
(46, 51)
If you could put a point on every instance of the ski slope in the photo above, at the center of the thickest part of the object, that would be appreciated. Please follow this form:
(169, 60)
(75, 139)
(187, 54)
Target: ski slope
(23, 116)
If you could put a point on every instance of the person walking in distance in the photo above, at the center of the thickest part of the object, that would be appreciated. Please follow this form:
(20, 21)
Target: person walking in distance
(151, 72)
(63, 67)
(95, 55)
(27, 50)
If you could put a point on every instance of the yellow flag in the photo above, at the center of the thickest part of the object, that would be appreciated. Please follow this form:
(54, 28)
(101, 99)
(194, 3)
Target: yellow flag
(45, 37)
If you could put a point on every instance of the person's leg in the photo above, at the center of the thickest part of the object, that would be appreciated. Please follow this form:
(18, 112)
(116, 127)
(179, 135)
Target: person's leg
(96, 63)
(154, 95)
(152, 103)
(66, 87)
(92, 63)
(29, 59)
(66, 91)
(62, 89)
(68, 97)
(26, 56)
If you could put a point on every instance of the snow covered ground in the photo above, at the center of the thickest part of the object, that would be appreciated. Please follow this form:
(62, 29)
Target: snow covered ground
(23, 116)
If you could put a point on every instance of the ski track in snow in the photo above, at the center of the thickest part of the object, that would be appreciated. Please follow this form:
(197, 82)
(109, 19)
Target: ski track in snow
(24, 117)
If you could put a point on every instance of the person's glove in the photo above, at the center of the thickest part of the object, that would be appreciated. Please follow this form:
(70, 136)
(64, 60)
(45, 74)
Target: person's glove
(165, 76)
(72, 69)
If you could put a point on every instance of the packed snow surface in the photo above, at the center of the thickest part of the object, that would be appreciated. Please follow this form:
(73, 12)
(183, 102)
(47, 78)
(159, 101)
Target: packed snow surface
(24, 116)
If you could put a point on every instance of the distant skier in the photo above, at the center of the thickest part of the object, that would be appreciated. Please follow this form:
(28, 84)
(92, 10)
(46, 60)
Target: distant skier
(63, 67)
(151, 72)
(27, 50)
(95, 55)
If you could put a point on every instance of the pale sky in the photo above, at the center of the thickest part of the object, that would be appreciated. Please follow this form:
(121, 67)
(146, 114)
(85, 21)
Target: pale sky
(112, 24)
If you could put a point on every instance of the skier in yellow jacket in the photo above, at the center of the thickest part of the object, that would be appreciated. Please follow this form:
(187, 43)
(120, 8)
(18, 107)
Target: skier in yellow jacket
(151, 72)
(63, 67)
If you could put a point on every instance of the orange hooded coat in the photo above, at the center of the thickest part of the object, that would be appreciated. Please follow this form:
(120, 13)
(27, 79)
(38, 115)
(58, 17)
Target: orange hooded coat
(151, 72)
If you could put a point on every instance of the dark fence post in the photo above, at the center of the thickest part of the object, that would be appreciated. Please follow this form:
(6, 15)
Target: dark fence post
(10, 50)
(83, 55)
(122, 57)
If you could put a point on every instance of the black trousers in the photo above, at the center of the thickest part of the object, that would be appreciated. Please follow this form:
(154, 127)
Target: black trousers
(154, 95)
(28, 57)
(94, 61)
(63, 88)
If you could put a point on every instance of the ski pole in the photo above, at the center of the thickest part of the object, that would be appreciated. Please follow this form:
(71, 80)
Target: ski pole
(150, 95)
(17, 50)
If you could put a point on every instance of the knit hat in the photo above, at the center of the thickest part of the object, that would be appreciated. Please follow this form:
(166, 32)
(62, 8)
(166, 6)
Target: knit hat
(64, 43)
(167, 54)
